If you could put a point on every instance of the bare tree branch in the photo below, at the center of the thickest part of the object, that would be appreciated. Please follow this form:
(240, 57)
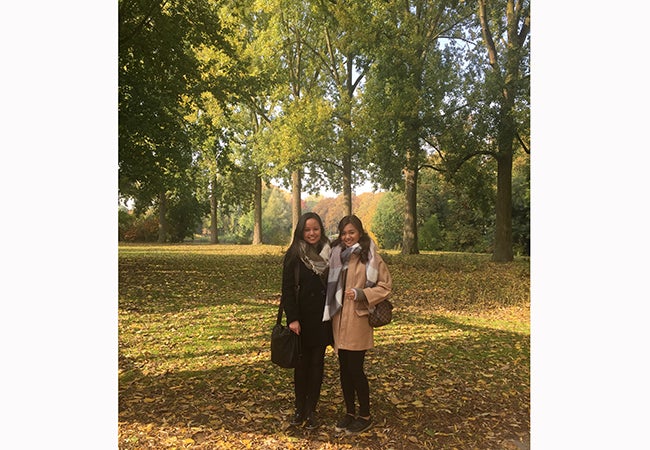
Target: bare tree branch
(468, 157)
(431, 166)
(523, 144)
(487, 34)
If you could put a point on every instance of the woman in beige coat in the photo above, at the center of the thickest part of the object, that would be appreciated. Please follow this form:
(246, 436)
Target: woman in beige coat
(358, 279)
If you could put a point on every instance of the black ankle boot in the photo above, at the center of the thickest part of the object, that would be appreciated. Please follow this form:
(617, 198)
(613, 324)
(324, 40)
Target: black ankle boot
(298, 418)
(312, 421)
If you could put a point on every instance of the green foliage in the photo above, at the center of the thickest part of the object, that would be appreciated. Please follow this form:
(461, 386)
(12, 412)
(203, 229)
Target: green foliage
(236, 227)
(387, 223)
(214, 94)
(184, 216)
(521, 205)
(463, 207)
(469, 234)
(411, 84)
(469, 222)
(277, 218)
(429, 234)
(194, 365)
(174, 59)
(237, 224)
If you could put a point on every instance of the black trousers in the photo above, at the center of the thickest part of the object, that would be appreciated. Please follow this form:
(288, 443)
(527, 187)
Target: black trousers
(354, 382)
(308, 378)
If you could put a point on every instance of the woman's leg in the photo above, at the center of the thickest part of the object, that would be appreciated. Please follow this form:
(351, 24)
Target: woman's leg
(360, 381)
(300, 390)
(315, 362)
(354, 370)
(347, 382)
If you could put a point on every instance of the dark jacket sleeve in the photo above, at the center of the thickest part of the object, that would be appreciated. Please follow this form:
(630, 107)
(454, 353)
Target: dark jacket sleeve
(289, 300)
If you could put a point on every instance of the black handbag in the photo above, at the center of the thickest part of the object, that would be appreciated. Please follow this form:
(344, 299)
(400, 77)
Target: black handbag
(381, 315)
(285, 344)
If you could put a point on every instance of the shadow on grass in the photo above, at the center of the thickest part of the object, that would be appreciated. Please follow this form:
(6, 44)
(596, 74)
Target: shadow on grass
(450, 385)
(195, 368)
(164, 284)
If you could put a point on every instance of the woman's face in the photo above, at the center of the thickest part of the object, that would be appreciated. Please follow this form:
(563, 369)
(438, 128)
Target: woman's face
(350, 235)
(311, 232)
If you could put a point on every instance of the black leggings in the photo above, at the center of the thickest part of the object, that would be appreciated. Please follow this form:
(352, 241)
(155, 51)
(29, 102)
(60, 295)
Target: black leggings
(308, 377)
(354, 381)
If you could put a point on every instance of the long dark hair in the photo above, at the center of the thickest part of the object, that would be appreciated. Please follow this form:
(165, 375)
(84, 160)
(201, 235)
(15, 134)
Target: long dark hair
(364, 239)
(292, 252)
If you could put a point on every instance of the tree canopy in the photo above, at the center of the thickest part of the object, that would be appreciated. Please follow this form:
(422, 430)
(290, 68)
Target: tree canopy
(219, 98)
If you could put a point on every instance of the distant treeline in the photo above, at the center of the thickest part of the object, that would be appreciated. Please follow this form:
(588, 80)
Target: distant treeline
(450, 217)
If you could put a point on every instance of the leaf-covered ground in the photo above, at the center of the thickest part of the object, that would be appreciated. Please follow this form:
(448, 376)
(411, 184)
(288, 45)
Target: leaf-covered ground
(452, 370)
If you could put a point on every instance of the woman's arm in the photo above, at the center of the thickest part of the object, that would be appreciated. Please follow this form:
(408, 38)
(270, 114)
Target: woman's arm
(289, 299)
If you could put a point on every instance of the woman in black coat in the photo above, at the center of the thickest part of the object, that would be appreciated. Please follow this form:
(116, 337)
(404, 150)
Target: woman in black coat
(309, 253)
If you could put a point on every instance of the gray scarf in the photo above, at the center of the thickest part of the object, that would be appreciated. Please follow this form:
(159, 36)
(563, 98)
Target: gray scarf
(317, 262)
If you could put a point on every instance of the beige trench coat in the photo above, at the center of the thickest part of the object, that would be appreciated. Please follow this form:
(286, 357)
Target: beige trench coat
(350, 325)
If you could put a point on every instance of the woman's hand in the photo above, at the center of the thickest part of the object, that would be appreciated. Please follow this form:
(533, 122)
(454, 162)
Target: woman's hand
(295, 327)
(350, 294)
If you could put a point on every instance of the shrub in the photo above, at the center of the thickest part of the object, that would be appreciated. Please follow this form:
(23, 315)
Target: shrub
(429, 234)
(138, 228)
(388, 221)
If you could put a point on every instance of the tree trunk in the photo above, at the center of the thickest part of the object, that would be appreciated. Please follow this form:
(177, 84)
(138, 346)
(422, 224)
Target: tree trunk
(410, 236)
(516, 34)
(347, 179)
(214, 237)
(257, 213)
(163, 226)
(347, 138)
(503, 228)
(296, 188)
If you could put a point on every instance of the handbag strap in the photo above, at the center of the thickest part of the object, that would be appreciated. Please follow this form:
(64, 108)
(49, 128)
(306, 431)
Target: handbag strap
(296, 286)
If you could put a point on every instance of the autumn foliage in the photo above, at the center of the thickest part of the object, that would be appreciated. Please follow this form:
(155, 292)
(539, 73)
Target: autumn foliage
(452, 370)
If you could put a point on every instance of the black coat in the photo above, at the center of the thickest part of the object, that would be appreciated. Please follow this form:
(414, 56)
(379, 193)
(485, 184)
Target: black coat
(308, 308)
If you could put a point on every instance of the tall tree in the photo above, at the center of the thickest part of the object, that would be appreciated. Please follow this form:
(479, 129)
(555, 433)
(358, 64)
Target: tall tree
(505, 27)
(300, 121)
(348, 37)
(159, 74)
(225, 180)
(406, 89)
(248, 113)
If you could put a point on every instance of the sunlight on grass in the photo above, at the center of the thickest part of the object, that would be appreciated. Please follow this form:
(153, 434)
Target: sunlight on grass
(194, 360)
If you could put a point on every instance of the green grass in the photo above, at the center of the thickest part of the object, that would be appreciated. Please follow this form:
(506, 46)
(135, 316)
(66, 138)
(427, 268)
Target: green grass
(451, 371)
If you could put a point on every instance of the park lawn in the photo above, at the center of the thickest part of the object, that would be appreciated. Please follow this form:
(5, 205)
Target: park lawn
(451, 371)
